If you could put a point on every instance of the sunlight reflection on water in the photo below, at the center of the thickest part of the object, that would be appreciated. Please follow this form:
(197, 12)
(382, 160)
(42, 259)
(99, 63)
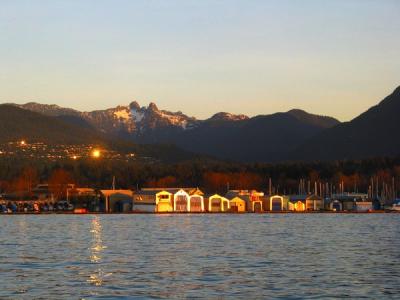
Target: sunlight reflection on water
(96, 278)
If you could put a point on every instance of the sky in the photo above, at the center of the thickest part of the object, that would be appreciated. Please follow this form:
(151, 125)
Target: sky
(200, 57)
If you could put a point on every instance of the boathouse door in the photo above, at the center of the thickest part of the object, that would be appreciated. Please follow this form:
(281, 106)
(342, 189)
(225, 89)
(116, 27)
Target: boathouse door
(257, 207)
(216, 204)
(181, 203)
(195, 203)
(276, 204)
(234, 208)
(336, 206)
(299, 206)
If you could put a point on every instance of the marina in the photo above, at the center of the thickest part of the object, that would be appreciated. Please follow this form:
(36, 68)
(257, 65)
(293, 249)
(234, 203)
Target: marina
(72, 199)
(199, 149)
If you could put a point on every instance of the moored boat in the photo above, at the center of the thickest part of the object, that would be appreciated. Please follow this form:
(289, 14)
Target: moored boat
(396, 205)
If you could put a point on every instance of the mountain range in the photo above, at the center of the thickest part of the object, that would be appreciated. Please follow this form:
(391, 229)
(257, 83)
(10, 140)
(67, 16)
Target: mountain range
(374, 133)
(22, 124)
(224, 135)
(292, 135)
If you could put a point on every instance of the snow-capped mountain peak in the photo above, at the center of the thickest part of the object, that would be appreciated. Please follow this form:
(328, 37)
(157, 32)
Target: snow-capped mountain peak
(132, 120)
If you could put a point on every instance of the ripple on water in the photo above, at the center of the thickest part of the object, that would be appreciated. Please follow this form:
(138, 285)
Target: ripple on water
(206, 256)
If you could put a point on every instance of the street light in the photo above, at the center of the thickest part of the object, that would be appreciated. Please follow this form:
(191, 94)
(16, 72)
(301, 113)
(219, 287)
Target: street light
(96, 153)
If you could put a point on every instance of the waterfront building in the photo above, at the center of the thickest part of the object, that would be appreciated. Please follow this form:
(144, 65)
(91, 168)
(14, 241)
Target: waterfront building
(188, 201)
(84, 199)
(297, 205)
(169, 200)
(196, 203)
(276, 203)
(349, 202)
(334, 205)
(218, 203)
(253, 198)
(181, 201)
(116, 200)
(52, 192)
(153, 200)
(237, 204)
(363, 206)
(310, 202)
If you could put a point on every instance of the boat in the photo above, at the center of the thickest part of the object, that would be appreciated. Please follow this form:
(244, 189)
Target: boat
(80, 211)
(396, 205)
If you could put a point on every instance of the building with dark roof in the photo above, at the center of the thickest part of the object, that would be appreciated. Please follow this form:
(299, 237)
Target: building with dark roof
(309, 202)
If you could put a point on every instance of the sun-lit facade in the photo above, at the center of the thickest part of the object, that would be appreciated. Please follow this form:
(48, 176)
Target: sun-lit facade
(159, 201)
(218, 203)
(276, 203)
(253, 198)
(309, 202)
(169, 200)
(237, 204)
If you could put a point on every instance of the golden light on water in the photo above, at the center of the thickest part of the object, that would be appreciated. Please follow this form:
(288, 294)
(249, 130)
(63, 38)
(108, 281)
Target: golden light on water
(97, 276)
(97, 241)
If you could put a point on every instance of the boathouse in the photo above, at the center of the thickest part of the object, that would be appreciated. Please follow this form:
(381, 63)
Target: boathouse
(153, 200)
(237, 204)
(335, 205)
(187, 199)
(218, 203)
(363, 206)
(117, 200)
(196, 203)
(84, 198)
(276, 203)
(349, 202)
(254, 202)
(169, 200)
(309, 202)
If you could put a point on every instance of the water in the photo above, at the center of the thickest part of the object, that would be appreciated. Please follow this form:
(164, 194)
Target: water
(207, 256)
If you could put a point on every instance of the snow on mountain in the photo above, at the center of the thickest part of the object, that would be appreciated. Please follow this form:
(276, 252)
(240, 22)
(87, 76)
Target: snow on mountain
(133, 119)
(231, 136)
(122, 114)
(137, 115)
(136, 120)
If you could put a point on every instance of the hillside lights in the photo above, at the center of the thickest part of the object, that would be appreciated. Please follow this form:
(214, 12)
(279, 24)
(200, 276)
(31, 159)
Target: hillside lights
(96, 153)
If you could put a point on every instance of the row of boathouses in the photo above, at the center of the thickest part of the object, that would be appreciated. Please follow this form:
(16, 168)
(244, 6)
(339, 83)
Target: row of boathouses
(194, 200)
(183, 200)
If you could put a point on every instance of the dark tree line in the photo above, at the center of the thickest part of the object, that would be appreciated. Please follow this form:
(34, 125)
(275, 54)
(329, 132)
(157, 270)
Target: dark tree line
(212, 176)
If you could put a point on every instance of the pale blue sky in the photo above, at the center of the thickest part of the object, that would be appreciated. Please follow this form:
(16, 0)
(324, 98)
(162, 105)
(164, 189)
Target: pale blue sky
(255, 57)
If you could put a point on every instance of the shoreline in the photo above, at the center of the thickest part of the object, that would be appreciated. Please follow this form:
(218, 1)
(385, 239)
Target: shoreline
(202, 213)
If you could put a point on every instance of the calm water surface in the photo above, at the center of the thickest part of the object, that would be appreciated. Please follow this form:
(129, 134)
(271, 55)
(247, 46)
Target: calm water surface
(200, 256)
